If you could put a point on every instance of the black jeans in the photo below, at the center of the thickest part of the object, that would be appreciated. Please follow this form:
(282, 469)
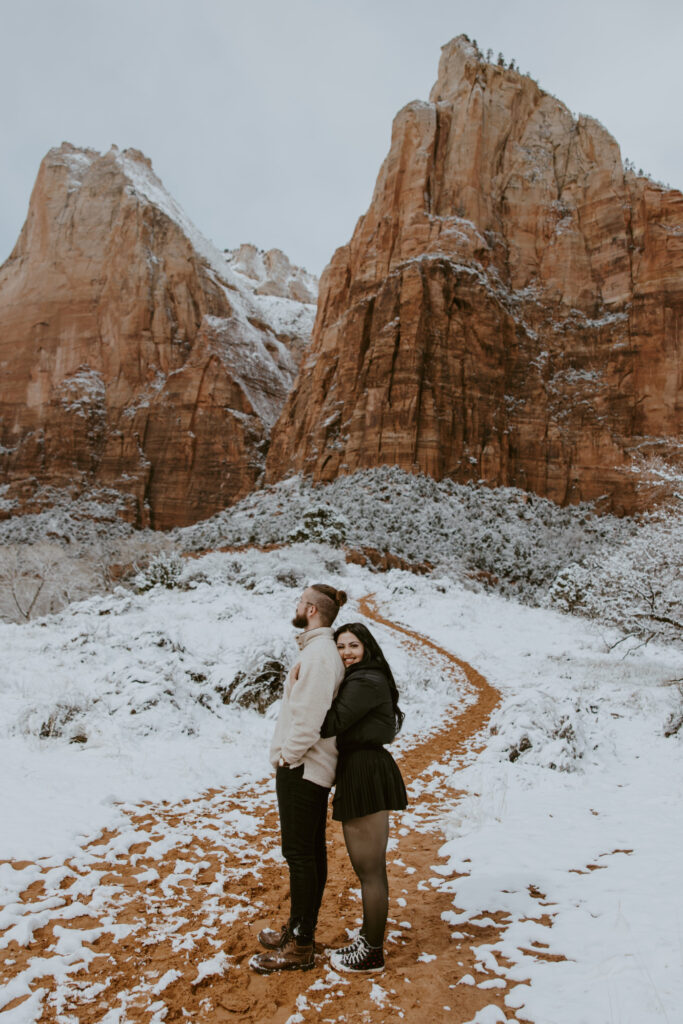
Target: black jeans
(303, 821)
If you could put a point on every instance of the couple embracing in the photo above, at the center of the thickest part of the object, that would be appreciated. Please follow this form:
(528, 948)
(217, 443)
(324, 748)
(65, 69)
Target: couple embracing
(339, 709)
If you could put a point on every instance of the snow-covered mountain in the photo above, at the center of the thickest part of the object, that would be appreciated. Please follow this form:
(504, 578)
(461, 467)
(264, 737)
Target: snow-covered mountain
(141, 366)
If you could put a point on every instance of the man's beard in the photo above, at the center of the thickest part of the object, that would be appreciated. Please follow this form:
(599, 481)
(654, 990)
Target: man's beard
(299, 621)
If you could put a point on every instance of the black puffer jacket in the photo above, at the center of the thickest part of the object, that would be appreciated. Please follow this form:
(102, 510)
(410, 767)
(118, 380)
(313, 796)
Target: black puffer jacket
(362, 712)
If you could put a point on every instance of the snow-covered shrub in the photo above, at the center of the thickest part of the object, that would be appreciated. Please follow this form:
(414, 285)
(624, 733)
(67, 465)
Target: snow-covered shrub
(320, 523)
(258, 687)
(65, 720)
(540, 730)
(638, 585)
(163, 570)
(262, 667)
(42, 578)
(674, 723)
(569, 588)
(69, 520)
(294, 566)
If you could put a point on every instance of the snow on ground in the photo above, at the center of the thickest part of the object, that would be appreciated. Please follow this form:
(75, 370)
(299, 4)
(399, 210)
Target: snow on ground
(594, 843)
(571, 822)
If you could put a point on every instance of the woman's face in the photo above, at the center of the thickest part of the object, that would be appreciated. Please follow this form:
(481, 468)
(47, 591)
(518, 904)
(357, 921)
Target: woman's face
(350, 649)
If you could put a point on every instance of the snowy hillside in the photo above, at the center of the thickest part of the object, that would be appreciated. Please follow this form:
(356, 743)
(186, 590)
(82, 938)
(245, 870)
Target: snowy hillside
(622, 572)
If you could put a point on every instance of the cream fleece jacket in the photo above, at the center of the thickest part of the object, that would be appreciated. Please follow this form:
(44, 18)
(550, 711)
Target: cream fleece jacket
(304, 705)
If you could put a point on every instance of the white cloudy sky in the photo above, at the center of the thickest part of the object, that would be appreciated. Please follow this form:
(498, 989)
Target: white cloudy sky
(268, 120)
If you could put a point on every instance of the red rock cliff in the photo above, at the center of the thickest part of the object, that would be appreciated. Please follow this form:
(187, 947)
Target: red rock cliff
(509, 309)
(136, 363)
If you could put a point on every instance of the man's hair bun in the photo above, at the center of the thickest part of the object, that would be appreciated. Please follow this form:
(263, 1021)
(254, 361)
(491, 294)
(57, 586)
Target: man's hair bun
(328, 601)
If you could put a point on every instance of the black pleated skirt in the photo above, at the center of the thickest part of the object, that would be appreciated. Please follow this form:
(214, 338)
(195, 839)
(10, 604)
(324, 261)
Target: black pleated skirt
(368, 780)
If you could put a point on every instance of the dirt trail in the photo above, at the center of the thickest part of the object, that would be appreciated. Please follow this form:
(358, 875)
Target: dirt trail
(167, 913)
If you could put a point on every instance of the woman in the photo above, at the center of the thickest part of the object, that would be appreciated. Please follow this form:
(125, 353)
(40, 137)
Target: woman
(364, 716)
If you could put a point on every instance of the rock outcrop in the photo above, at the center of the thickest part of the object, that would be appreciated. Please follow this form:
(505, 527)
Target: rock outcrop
(273, 273)
(509, 309)
(137, 363)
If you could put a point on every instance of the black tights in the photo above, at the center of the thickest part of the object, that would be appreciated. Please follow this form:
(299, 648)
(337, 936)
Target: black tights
(366, 841)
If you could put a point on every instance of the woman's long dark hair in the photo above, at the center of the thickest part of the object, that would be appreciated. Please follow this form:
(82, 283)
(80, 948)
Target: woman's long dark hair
(373, 652)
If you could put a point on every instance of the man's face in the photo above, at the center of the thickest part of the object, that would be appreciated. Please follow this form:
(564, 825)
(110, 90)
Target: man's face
(303, 611)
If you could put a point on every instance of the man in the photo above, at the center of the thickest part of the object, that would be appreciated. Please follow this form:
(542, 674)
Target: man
(305, 768)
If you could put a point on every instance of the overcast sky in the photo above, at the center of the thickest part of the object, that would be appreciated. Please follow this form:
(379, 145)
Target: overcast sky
(268, 119)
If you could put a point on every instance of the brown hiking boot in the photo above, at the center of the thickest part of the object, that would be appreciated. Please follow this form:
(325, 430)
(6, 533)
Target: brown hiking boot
(272, 939)
(290, 957)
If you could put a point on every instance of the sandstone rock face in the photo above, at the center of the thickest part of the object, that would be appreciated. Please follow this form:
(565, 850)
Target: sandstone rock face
(135, 362)
(509, 309)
